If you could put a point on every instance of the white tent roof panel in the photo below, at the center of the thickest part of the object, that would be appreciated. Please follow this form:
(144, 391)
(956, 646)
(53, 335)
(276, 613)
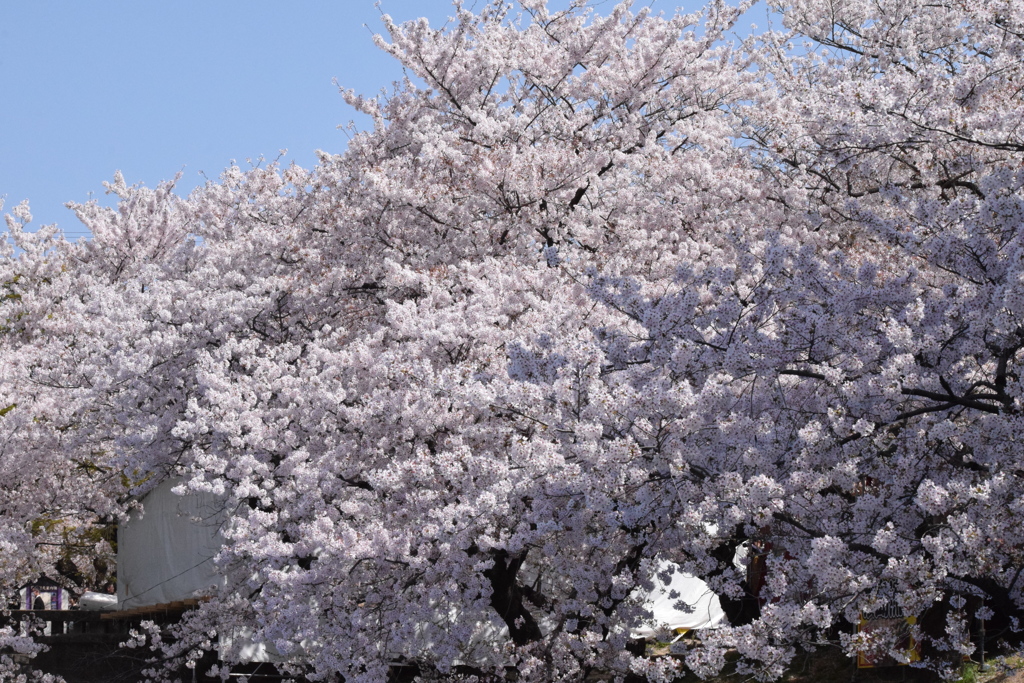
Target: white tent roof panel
(166, 553)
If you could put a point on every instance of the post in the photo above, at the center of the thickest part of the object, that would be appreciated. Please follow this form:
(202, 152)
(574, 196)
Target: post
(981, 633)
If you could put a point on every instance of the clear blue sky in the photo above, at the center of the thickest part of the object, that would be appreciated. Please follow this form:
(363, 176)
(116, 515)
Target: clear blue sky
(153, 88)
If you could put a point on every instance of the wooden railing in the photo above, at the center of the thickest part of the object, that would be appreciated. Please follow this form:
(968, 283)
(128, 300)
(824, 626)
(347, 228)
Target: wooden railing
(67, 625)
(73, 625)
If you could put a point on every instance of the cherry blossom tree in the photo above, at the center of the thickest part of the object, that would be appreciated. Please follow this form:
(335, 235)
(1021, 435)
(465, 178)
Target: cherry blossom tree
(54, 493)
(596, 291)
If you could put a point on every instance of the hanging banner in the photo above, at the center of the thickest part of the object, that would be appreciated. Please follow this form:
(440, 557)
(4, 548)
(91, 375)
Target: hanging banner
(887, 626)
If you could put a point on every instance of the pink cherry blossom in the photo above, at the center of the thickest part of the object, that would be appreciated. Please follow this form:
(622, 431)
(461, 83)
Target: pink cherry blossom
(596, 291)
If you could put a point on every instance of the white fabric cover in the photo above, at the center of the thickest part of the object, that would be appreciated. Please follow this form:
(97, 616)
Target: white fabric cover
(685, 602)
(97, 601)
(166, 553)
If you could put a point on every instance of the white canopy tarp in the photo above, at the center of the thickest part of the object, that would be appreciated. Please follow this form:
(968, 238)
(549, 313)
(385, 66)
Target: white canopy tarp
(97, 601)
(165, 553)
(685, 602)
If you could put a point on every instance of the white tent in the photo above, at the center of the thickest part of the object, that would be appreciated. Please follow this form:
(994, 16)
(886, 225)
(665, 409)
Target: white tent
(685, 602)
(91, 601)
(165, 553)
